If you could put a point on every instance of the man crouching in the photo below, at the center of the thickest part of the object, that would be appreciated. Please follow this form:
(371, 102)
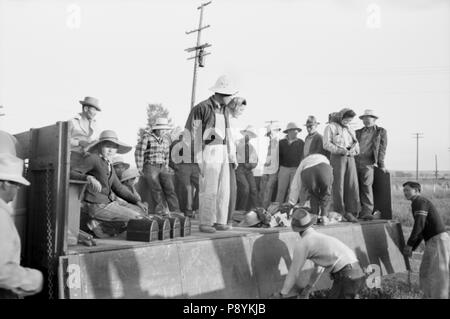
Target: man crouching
(327, 253)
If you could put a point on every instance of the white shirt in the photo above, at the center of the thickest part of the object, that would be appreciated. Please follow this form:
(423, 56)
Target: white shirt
(272, 159)
(12, 275)
(80, 129)
(323, 250)
(297, 189)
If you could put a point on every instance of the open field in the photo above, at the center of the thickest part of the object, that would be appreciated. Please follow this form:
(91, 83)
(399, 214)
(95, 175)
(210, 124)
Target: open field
(439, 194)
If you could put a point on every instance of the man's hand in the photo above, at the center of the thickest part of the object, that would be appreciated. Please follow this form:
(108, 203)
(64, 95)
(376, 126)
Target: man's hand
(142, 206)
(407, 251)
(95, 184)
(383, 169)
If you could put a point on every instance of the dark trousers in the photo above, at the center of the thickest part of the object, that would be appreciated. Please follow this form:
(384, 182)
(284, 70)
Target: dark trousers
(268, 185)
(186, 181)
(160, 182)
(248, 193)
(233, 193)
(347, 282)
(366, 177)
(318, 181)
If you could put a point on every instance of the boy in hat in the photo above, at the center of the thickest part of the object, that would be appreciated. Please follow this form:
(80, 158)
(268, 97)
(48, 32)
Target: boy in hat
(340, 140)
(290, 155)
(209, 125)
(119, 165)
(314, 141)
(100, 200)
(247, 159)
(83, 129)
(428, 226)
(271, 166)
(327, 253)
(15, 281)
(372, 143)
(152, 160)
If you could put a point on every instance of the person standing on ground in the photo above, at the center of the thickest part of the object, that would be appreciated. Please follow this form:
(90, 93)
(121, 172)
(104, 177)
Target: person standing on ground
(290, 156)
(428, 226)
(340, 140)
(372, 143)
(15, 281)
(327, 253)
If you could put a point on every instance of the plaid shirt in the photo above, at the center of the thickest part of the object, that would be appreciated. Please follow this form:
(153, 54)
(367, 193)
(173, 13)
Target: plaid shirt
(153, 150)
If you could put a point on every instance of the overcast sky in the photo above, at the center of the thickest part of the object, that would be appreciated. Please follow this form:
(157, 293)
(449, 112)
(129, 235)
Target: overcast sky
(290, 59)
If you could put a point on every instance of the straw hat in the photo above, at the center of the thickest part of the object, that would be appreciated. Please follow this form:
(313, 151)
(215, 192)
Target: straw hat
(161, 123)
(129, 174)
(311, 121)
(11, 169)
(292, 126)
(302, 219)
(370, 113)
(224, 86)
(119, 160)
(90, 101)
(111, 136)
(250, 219)
(250, 131)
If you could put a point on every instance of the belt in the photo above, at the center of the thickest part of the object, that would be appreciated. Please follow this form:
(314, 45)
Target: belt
(154, 164)
(344, 272)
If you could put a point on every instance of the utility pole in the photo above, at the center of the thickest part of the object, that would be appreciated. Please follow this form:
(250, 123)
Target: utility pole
(199, 50)
(2, 114)
(417, 136)
(436, 172)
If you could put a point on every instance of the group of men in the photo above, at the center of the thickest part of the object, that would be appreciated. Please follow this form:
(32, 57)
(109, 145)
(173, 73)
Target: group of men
(206, 157)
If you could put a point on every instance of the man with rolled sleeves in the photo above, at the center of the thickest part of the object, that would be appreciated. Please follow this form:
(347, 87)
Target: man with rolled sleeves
(83, 130)
(15, 280)
(372, 143)
(327, 253)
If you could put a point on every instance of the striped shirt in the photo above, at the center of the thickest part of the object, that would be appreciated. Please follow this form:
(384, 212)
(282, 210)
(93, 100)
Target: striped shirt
(152, 150)
(427, 221)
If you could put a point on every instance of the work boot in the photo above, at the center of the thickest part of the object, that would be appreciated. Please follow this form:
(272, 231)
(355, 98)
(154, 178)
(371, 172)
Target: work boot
(366, 217)
(350, 218)
(207, 229)
(222, 227)
(377, 214)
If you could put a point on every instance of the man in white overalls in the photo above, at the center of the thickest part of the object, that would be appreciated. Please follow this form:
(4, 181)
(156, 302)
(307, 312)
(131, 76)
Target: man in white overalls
(209, 125)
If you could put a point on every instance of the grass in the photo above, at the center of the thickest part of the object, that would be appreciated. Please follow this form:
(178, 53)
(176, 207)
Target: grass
(439, 195)
(392, 287)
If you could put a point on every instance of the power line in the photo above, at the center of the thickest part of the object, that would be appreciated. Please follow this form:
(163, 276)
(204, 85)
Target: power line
(199, 50)
(417, 136)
